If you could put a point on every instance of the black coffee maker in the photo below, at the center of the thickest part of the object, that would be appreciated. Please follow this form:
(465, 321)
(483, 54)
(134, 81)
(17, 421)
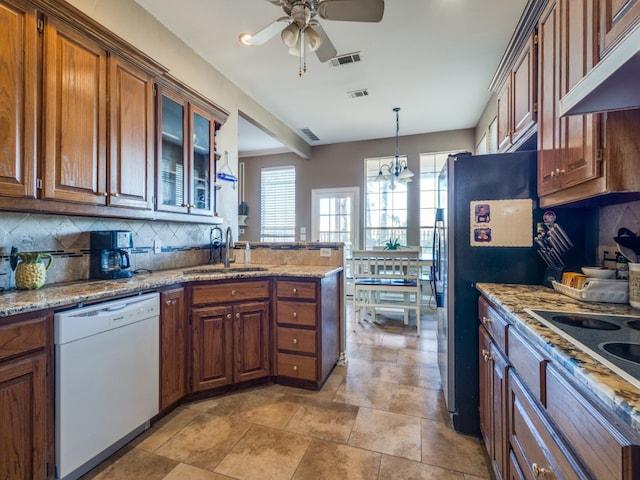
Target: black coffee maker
(110, 254)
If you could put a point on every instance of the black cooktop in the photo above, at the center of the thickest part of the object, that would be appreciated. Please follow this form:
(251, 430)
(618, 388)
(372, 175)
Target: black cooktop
(613, 340)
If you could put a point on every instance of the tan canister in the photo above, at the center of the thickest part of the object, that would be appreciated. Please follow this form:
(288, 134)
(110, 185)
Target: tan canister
(634, 284)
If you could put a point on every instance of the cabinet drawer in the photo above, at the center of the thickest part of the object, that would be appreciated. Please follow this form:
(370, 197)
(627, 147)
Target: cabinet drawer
(533, 440)
(297, 340)
(494, 323)
(22, 336)
(604, 448)
(230, 292)
(297, 366)
(530, 366)
(301, 290)
(296, 313)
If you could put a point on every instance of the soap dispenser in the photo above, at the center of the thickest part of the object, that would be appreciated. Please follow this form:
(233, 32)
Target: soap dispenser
(247, 254)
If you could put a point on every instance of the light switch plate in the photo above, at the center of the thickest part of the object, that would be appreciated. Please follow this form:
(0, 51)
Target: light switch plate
(157, 246)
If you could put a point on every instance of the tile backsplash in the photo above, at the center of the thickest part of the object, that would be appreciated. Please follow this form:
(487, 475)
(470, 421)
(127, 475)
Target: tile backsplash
(182, 245)
(67, 239)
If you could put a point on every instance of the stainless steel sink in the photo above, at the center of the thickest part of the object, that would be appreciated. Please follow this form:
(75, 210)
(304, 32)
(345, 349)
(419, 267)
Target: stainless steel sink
(216, 269)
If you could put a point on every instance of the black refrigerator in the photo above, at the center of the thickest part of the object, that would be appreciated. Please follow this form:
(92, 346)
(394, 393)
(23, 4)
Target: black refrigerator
(484, 233)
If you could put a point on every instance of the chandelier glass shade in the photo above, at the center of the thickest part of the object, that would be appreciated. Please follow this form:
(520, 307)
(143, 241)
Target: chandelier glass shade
(397, 170)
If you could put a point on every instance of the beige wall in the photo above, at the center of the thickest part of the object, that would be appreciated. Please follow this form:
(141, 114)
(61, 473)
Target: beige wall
(342, 165)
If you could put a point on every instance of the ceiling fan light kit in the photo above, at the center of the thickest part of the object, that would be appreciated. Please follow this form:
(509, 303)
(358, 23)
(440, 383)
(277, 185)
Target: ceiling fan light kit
(303, 32)
(397, 170)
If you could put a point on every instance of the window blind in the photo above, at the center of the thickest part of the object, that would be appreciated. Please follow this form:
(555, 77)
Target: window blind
(278, 204)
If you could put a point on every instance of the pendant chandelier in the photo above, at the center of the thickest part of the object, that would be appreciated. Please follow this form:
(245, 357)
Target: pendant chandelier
(397, 170)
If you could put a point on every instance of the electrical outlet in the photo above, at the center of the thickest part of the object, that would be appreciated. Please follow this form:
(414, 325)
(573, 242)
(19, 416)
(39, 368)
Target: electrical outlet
(241, 231)
(325, 252)
(157, 246)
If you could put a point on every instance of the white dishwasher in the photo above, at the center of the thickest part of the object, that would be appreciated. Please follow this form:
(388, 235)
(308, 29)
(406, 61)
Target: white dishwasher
(106, 379)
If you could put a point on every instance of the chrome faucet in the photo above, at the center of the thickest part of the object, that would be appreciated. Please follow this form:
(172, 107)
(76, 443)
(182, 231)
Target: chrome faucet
(229, 245)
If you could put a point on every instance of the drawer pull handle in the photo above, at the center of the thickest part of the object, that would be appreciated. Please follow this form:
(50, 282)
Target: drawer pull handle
(539, 471)
(115, 194)
(170, 302)
(295, 290)
(486, 320)
(295, 314)
(295, 341)
(103, 194)
(228, 315)
(237, 315)
(486, 355)
(233, 292)
(295, 368)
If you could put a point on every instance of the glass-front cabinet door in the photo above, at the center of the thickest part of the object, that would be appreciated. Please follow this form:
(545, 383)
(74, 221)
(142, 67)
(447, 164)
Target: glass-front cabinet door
(172, 183)
(186, 152)
(202, 155)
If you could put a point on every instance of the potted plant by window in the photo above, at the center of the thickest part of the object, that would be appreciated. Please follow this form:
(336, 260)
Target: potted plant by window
(243, 211)
(393, 244)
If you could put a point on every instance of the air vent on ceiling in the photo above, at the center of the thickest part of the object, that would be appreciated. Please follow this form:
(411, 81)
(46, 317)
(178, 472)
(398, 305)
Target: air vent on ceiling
(309, 134)
(345, 59)
(358, 93)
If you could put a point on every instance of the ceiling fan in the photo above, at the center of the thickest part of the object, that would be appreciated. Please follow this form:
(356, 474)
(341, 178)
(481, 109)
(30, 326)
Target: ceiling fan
(300, 30)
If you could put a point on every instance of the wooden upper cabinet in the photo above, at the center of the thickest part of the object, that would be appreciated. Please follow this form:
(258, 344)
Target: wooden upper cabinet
(504, 116)
(548, 97)
(578, 133)
(75, 115)
(516, 110)
(568, 148)
(524, 89)
(18, 87)
(186, 155)
(131, 123)
(617, 18)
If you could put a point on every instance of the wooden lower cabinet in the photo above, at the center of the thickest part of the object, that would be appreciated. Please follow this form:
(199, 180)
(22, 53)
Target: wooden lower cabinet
(536, 446)
(535, 422)
(493, 384)
(230, 337)
(26, 401)
(173, 348)
(307, 328)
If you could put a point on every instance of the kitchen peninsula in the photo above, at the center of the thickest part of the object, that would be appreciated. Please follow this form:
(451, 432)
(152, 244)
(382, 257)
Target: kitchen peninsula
(546, 405)
(220, 329)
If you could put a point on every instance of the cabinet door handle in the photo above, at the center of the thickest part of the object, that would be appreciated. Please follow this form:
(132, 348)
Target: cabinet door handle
(295, 314)
(171, 301)
(295, 368)
(486, 355)
(228, 315)
(237, 315)
(233, 292)
(295, 290)
(486, 320)
(295, 341)
(115, 194)
(539, 471)
(103, 194)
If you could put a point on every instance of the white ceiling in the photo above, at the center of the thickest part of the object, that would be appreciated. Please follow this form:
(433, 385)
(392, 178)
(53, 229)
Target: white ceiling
(433, 58)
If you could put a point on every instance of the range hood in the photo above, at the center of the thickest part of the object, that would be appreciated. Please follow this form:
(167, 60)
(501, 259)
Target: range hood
(613, 84)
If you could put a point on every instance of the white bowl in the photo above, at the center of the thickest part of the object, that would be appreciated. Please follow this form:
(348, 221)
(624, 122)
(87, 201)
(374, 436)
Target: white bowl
(598, 272)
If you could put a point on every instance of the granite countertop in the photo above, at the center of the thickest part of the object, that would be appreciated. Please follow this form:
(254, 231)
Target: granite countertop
(616, 393)
(52, 296)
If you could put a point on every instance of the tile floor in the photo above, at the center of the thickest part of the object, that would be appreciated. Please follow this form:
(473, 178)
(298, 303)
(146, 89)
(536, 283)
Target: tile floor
(380, 417)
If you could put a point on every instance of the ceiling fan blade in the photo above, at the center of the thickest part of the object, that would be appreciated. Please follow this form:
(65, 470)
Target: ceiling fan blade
(352, 10)
(326, 51)
(266, 34)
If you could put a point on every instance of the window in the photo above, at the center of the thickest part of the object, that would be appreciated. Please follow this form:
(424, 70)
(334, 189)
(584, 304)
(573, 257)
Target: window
(278, 204)
(385, 207)
(430, 166)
